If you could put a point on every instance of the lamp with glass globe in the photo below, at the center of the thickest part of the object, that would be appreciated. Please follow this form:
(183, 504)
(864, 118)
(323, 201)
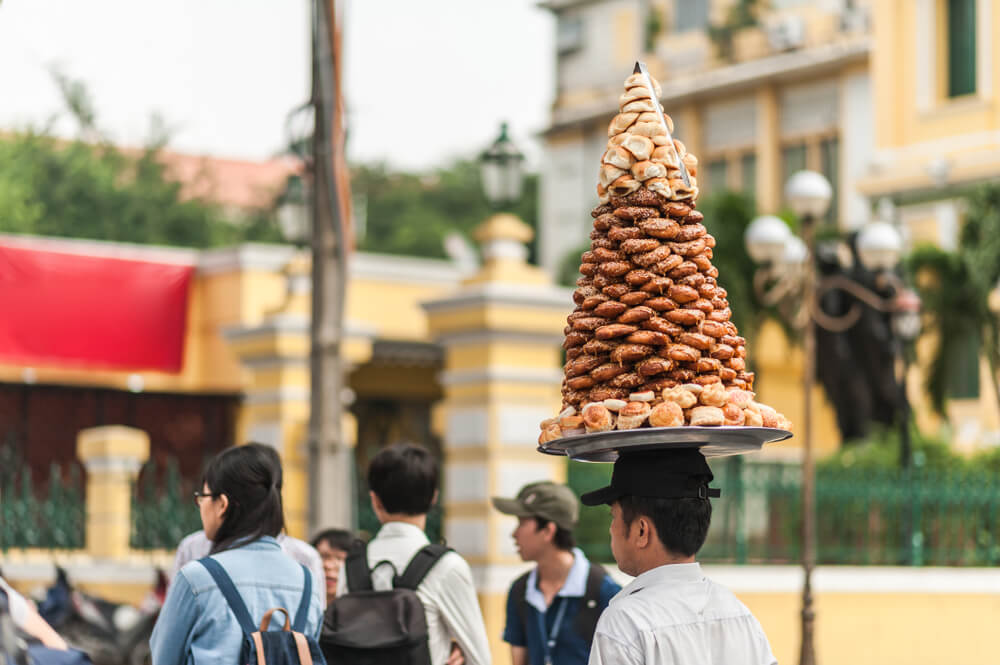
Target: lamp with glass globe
(501, 167)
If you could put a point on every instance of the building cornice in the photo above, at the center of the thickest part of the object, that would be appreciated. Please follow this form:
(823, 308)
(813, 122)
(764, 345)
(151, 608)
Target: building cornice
(730, 79)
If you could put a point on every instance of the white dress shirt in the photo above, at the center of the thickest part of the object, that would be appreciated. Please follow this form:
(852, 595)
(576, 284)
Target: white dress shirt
(197, 546)
(447, 592)
(674, 614)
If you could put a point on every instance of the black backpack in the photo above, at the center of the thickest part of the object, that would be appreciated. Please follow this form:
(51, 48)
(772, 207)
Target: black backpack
(590, 606)
(271, 647)
(368, 627)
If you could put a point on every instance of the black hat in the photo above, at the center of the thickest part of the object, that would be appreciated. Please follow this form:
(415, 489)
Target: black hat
(678, 473)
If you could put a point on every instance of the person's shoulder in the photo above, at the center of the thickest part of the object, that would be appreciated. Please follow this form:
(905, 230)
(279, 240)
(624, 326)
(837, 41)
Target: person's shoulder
(609, 588)
(725, 601)
(622, 620)
(195, 540)
(299, 550)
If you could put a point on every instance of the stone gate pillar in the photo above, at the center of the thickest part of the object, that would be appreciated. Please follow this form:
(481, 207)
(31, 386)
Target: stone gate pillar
(501, 333)
(112, 456)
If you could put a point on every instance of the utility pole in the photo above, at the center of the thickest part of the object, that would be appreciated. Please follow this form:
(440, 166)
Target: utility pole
(331, 482)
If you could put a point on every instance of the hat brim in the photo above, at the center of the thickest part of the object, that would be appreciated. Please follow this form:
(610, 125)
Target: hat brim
(605, 495)
(510, 507)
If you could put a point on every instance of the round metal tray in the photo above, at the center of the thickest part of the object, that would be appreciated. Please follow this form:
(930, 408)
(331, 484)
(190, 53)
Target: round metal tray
(713, 441)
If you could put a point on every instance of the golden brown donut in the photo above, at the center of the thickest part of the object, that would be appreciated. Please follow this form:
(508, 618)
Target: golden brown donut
(639, 277)
(631, 352)
(583, 364)
(706, 416)
(683, 269)
(683, 353)
(575, 339)
(622, 233)
(653, 366)
(613, 330)
(657, 285)
(752, 419)
(601, 393)
(550, 432)
(635, 297)
(588, 269)
(580, 382)
(648, 338)
(647, 259)
(665, 229)
(590, 302)
(589, 323)
(615, 291)
(602, 255)
(636, 314)
(681, 396)
(597, 418)
(633, 415)
(661, 304)
(610, 309)
(707, 379)
(682, 293)
(640, 245)
(685, 317)
(596, 347)
(708, 365)
(723, 314)
(661, 325)
(677, 210)
(614, 268)
(629, 380)
(606, 372)
(703, 305)
(690, 232)
(714, 395)
(697, 340)
(666, 414)
(688, 249)
(721, 351)
(729, 375)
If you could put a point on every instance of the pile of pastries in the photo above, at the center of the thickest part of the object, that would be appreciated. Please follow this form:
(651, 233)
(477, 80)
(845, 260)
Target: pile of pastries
(650, 342)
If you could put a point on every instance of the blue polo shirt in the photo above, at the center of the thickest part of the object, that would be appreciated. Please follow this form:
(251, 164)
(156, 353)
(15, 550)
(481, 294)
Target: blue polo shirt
(571, 648)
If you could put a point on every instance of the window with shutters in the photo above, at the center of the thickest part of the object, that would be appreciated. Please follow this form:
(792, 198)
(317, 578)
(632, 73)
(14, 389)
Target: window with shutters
(961, 47)
(718, 172)
(748, 174)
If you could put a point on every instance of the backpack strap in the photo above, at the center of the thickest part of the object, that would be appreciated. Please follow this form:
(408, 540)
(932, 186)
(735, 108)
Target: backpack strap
(590, 606)
(299, 624)
(359, 576)
(229, 592)
(519, 590)
(419, 566)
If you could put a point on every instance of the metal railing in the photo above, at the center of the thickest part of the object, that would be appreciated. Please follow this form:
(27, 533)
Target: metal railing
(163, 510)
(864, 516)
(55, 521)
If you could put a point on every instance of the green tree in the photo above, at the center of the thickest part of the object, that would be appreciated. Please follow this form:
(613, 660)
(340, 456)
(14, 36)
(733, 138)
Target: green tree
(411, 213)
(89, 188)
(954, 288)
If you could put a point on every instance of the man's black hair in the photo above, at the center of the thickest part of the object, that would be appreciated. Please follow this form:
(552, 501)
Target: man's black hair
(405, 479)
(563, 539)
(681, 524)
(338, 539)
(250, 477)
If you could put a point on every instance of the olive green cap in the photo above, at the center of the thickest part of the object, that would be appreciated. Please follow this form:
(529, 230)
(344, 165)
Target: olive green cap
(547, 500)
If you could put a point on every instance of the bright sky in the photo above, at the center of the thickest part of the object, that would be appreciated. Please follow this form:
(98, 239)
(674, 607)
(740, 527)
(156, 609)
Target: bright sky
(426, 80)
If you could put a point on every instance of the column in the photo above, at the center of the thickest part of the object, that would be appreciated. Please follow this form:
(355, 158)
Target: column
(501, 333)
(769, 175)
(275, 357)
(112, 456)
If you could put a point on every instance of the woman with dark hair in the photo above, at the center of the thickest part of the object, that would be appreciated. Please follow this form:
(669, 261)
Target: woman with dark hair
(241, 512)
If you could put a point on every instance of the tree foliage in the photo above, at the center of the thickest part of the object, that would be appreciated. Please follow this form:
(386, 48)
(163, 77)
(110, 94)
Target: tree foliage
(410, 213)
(89, 188)
(955, 287)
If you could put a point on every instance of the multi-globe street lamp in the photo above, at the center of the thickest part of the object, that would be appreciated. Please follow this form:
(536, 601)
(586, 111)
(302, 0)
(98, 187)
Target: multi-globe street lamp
(788, 280)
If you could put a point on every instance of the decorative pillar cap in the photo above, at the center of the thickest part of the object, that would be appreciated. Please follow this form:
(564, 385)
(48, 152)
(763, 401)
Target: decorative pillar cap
(503, 226)
(118, 442)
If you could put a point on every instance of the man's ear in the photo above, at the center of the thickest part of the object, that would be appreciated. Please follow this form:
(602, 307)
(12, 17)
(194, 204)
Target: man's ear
(376, 502)
(434, 499)
(644, 533)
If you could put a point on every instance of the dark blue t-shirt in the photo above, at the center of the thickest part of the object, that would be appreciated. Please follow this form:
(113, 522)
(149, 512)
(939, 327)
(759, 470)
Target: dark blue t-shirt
(571, 648)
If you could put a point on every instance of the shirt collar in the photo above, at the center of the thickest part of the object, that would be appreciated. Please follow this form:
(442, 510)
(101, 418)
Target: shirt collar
(401, 530)
(262, 543)
(575, 585)
(668, 574)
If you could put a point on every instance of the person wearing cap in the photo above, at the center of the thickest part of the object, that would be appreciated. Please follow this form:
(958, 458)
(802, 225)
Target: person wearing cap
(670, 613)
(552, 610)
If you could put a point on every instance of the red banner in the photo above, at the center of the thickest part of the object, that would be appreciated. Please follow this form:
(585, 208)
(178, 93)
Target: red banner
(59, 309)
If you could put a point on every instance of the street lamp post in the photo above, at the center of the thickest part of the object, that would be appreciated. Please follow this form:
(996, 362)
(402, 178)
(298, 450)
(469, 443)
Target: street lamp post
(788, 280)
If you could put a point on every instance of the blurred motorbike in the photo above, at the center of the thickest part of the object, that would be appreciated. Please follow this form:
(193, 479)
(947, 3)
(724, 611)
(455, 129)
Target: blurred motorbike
(112, 633)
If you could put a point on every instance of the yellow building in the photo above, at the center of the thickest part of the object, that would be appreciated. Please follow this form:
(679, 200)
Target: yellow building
(893, 99)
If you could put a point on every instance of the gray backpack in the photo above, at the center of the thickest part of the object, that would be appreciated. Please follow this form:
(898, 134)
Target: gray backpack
(368, 627)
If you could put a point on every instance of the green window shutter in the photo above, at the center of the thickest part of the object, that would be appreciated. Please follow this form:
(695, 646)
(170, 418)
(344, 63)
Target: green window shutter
(961, 47)
(748, 174)
(830, 158)
(963, 368)
(793, 160)
(717, 174)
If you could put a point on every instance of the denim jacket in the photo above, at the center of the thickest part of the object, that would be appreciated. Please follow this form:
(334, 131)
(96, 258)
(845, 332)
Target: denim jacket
(196, 624)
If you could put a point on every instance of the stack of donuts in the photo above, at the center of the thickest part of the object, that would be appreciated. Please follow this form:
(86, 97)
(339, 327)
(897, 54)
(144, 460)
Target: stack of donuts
(650, 342)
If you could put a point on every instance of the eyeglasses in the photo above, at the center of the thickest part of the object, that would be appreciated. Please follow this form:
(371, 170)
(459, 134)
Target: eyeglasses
(199, 495)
